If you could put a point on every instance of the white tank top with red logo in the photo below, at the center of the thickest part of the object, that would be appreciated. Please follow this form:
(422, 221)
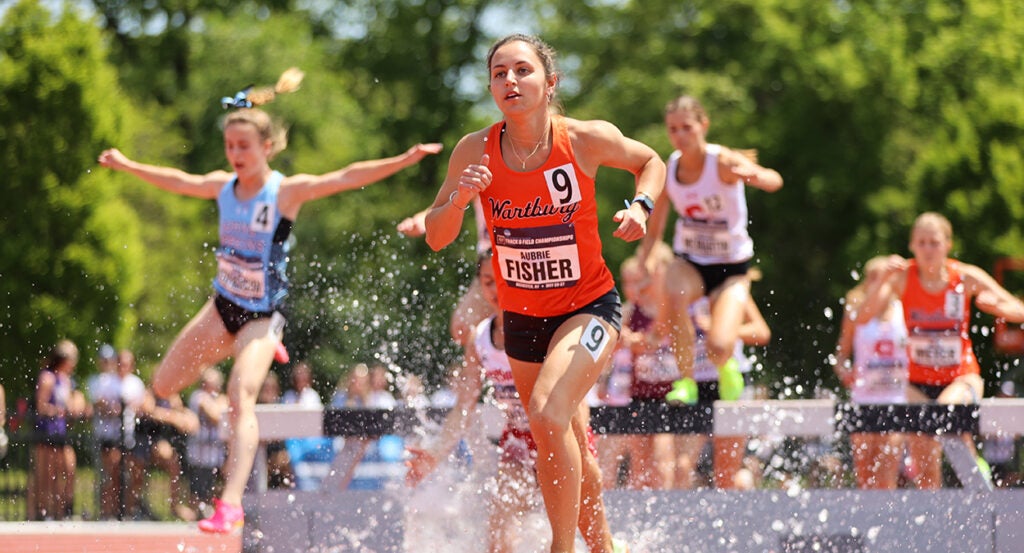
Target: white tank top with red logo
(880, 360)
(498, 371)
(712, 224)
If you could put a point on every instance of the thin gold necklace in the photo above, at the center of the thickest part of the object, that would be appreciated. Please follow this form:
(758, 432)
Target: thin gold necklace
(512, 143)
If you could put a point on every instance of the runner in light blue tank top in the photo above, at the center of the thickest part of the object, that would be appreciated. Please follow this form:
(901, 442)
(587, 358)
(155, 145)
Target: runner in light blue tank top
(257, 208)
(253, 254)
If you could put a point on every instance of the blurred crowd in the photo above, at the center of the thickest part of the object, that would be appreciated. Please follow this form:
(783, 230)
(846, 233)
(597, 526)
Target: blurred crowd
(131, 436)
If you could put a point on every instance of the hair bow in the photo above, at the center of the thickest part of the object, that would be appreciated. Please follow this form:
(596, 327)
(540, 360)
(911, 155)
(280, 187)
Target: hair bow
(241, 99)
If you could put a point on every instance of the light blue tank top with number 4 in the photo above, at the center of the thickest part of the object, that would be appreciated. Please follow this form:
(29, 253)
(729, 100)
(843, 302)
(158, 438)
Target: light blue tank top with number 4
(253, 252)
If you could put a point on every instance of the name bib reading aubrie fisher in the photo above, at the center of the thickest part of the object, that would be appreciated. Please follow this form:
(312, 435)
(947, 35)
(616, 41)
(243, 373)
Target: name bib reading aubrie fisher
(538, 258)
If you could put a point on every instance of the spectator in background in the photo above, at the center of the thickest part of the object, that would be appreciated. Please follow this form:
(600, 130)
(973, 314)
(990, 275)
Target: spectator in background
(306, 454)
(104, 392)
(382, 460)
(3, 423)
(279, 467)
(133, 396)
(159, 435)
(302, 392)
(56, 403)
(356, 390)
(207, 448)
(413, 394)
(380, 389)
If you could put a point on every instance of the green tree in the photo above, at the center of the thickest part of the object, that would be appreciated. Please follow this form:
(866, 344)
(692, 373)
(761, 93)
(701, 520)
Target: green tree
(71, 257)
(873, 112)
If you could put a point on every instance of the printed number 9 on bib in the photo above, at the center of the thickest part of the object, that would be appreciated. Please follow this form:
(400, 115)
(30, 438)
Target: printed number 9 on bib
(595, 336)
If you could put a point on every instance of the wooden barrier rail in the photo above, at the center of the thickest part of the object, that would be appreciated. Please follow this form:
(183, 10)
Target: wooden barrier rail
(740, 418)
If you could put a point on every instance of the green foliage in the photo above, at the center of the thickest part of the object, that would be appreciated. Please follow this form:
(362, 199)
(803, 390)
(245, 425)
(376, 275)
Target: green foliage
(71, 262)
(873, 112)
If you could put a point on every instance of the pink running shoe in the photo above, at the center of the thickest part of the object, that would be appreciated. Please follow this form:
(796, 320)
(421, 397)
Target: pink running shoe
(281, 353)
(225, 519)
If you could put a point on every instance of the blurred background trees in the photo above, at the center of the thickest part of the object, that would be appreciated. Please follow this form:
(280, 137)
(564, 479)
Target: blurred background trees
(873, 112)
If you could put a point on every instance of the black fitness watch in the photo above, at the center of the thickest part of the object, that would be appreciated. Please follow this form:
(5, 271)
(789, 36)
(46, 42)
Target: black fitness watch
(645, 202)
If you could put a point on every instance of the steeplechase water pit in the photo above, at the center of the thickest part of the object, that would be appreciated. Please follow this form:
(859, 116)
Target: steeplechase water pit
(449, 514)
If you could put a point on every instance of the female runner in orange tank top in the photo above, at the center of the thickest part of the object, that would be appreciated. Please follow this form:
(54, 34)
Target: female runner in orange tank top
(936, 292)
(534, 173)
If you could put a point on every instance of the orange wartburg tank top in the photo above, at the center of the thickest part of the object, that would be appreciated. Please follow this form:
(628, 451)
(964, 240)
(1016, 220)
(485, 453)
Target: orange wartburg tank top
(543, 229)
(939, 344)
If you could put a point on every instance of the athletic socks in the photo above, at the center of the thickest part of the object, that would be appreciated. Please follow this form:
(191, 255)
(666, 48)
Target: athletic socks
(730, 385)
(683, 391)
(730, 380)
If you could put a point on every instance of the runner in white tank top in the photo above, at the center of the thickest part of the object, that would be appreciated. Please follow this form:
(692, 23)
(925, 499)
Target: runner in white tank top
(712, 224)
(705, 185)
(871, 361)
(880, 360)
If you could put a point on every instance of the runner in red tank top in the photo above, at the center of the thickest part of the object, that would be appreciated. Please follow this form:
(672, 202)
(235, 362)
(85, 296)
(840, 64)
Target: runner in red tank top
(534, 172)
(937, 293)
(940, 349)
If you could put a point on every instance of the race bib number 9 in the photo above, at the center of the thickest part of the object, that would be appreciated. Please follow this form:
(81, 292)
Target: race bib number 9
(562, 185)
(594, 338)
(538, 258)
